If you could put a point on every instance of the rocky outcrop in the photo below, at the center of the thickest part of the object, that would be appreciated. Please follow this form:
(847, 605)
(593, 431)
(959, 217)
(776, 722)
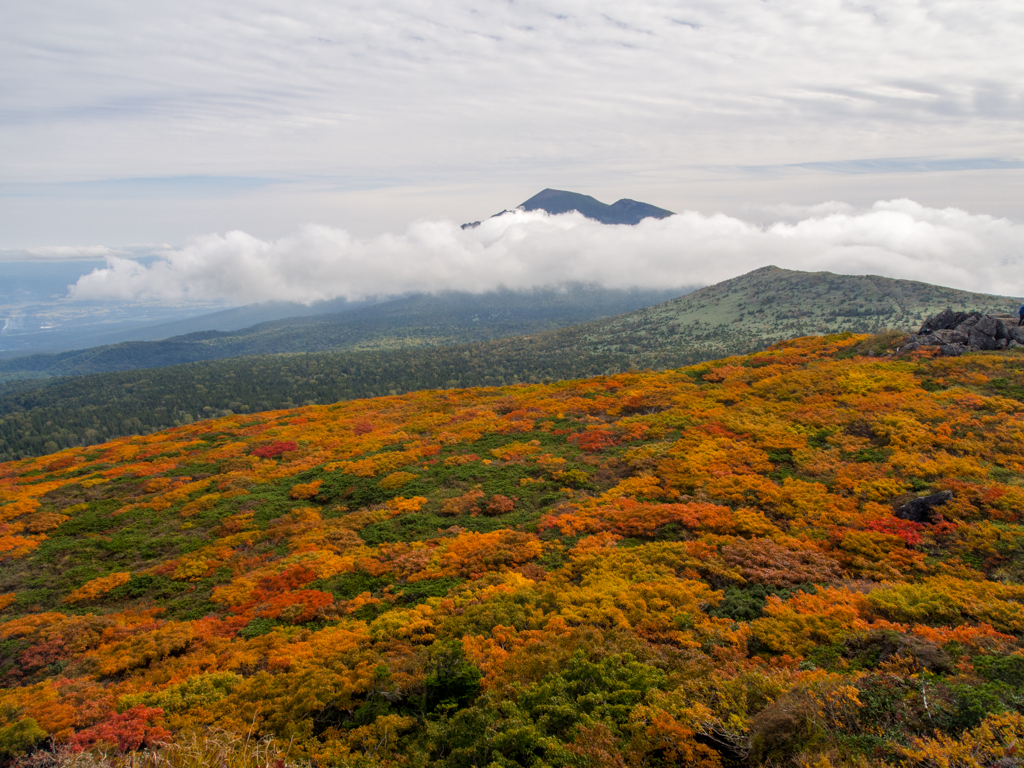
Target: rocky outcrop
(920, 510)
(957, 332)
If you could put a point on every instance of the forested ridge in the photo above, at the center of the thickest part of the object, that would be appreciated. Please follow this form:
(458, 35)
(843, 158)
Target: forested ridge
(413, 321)
(86, 410)
(709, 566)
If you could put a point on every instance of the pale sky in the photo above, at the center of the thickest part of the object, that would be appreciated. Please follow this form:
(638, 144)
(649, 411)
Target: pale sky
(132, 123)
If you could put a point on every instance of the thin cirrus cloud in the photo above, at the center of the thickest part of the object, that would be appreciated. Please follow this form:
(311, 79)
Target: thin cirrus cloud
(63, 253)
(149, 122)
(378, 88)
(883, 165)
(525, 250)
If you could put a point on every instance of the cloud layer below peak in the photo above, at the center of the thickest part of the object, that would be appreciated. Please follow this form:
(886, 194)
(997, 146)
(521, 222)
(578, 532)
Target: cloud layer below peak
(521, 250)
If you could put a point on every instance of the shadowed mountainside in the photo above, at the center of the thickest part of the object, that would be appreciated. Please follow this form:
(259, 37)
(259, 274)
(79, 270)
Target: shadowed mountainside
(624, 211)
(414, 321)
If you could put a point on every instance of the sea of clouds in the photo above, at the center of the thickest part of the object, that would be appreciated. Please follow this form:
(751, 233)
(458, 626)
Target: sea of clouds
(525, 250)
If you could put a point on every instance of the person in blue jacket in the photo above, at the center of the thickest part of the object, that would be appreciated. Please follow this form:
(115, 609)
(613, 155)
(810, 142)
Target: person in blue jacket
(1021, 313)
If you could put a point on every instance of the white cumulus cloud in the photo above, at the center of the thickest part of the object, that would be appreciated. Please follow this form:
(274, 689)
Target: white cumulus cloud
(525, 250)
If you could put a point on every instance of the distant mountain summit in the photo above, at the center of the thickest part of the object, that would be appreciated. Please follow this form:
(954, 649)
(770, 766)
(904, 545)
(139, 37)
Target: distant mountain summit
(624, 211)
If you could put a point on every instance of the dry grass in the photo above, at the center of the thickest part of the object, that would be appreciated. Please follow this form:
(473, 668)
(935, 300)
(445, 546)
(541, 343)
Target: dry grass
(196, 750)
(882, 344)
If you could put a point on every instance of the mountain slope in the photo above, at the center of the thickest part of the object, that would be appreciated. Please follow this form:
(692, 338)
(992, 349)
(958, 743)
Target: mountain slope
(415, 321)
(769, 304)
(711, 566)
(238, 318)
(735, 317)
(110, 326)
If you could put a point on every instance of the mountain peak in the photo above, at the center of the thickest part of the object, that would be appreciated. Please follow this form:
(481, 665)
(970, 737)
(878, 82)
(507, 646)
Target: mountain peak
(555, 201)
(624, 211)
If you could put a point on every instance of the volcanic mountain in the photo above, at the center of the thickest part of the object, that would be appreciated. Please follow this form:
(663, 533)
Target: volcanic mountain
(624, 211)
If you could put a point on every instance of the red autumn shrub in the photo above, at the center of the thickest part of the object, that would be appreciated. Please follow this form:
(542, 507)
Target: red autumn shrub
(294, 607)
(62, 463)
(593, 440)
(293, 578)
(907, 530)
(762, 561)
(275, 449)
(126, 732)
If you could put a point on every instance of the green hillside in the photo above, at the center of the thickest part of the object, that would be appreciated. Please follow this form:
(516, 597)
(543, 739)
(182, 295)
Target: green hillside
(769, 304)
(735, 317)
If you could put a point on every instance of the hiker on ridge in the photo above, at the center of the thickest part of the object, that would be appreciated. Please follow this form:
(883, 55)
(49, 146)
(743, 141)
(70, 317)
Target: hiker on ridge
(1021, 313)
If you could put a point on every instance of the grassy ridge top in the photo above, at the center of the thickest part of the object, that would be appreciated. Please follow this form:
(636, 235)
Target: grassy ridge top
(700, 566)
(769, 304)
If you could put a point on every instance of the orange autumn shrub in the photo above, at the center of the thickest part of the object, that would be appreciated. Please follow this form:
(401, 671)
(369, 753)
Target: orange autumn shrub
(305, 490)
(97, 587)
(796, 625)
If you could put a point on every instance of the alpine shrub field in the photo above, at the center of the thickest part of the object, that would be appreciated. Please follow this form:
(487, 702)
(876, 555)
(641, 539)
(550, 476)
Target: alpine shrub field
(710, 566)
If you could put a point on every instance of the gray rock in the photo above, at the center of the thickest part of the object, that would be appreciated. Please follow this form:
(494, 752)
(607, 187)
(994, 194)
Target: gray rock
(980, 340)
(909, 347)
(957, 332)
(990, 326)
(950, 337)
(965, 327)
(946, 319)
(1016, 345)
(920, 510)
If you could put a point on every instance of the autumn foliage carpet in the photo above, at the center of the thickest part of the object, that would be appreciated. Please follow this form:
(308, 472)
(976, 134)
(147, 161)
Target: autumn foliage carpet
(697, 567)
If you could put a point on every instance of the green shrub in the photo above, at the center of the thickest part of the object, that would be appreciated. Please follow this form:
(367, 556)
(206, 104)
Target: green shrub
(19, 737)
